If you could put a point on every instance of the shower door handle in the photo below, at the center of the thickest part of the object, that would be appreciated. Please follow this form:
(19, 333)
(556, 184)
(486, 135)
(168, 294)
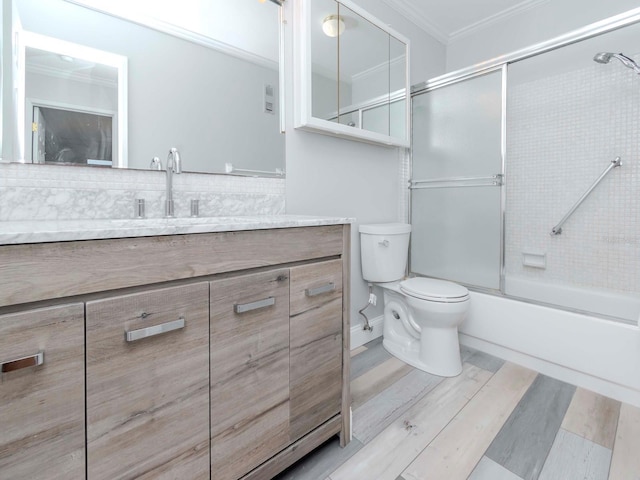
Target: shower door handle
(496, 180)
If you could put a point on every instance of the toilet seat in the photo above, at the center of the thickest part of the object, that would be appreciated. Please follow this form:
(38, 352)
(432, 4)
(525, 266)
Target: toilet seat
(433, 290)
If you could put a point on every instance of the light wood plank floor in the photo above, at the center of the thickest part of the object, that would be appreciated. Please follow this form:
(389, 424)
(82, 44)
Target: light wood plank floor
(495, 421)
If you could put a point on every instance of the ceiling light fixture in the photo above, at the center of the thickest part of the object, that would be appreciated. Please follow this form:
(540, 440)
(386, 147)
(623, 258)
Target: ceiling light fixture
(333, 25)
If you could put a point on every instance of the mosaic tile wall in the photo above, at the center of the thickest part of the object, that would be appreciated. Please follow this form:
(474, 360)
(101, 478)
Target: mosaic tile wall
(562, 132)
(404, 176)
(43, 192)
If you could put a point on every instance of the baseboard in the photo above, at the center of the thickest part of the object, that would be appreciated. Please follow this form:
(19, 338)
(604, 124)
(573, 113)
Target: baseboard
(360, 337)
(560, 372)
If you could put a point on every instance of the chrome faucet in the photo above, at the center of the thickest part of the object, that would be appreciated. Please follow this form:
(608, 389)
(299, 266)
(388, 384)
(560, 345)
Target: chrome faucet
(174, 165)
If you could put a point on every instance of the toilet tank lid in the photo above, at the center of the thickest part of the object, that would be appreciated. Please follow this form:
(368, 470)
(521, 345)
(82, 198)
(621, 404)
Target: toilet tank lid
(386, 228)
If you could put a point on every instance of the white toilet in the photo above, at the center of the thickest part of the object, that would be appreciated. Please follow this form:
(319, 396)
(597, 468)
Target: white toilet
(421, 315)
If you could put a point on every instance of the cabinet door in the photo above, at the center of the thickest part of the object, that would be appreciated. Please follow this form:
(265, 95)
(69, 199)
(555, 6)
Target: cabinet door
(147, 396)
(42, 406)
(249, 371)
(316, 345)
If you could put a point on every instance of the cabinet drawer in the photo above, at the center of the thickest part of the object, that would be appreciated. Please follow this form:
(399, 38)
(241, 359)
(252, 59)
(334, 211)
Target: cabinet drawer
(42, 407)
(249, 371)
(316, 345)
(315, 284)
(147, 397)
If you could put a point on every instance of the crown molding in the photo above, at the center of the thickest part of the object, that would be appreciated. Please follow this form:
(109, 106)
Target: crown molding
(512, 11)
(404, 8)
(177, 31)
(408, 11)
(77, 76)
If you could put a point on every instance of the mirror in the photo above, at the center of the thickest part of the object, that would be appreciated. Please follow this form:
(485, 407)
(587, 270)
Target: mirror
(352, 74)
(198, 75)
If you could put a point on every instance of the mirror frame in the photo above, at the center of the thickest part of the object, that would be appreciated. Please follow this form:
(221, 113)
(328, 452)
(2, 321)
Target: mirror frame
(303, 118)
(26, 39)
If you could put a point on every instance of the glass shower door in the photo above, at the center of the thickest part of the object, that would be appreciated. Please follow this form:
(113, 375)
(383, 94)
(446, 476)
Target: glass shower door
(456, 187)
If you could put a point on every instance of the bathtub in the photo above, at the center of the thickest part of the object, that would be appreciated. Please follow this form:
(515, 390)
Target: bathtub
(595, 353)
(604, 303)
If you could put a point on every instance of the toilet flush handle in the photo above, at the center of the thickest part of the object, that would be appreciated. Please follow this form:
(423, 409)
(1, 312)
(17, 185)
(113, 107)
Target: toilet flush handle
(384, 243)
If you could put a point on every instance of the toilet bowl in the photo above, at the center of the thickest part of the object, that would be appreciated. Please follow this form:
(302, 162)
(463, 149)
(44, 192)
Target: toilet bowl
(421, 323)
(421, 315)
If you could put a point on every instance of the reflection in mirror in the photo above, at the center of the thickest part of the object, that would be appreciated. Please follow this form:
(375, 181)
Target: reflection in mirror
(387, 113)
(324, 62)
(365, 69)
(73, 103)
(202, 77)
(353, 73)
(398, 112)
(70, 137)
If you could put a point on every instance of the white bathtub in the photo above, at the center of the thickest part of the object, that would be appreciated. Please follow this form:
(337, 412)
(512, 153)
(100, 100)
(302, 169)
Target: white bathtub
(607, 303)
(598, 354)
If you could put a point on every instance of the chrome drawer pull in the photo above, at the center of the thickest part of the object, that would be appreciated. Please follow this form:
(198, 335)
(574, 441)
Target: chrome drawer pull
(24, 362)
(312, 292)
(135, 335)
(247, 307)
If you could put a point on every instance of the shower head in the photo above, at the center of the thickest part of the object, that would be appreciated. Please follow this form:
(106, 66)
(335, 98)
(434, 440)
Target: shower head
(605, 57)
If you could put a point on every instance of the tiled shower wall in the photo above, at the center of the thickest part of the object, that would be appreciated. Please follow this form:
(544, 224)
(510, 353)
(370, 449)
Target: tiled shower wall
(45, 192)
(563, 130)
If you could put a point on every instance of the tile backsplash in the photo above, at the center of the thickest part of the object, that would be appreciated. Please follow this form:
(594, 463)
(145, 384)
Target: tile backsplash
(48, 192)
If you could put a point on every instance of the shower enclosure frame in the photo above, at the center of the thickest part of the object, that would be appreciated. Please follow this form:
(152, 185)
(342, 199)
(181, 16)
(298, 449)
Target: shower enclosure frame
(607, 25)
(610, 24)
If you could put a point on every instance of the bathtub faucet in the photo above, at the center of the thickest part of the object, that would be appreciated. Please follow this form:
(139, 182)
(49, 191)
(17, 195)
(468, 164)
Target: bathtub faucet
(174, 165)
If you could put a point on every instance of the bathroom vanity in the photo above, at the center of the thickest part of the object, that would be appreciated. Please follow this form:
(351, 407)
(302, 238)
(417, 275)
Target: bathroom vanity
(220, 350)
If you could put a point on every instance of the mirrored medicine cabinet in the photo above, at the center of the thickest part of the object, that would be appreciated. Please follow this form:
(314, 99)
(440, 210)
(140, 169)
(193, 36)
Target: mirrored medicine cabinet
(114, 83)
(351, 74)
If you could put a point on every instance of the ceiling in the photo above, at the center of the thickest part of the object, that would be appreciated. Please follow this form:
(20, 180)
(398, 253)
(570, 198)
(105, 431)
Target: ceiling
(70, 68)
(451, 19)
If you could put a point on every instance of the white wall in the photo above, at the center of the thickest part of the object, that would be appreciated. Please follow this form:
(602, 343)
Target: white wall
(546, 21)
(332, 176)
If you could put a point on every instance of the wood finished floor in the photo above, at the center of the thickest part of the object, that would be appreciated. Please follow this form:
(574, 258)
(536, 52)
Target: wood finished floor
(495, 421)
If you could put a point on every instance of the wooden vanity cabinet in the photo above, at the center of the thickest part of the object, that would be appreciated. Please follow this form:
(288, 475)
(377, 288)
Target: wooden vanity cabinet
(316, 345)
(147, 390)
(228, 359)
(249, 337)
(42, 393)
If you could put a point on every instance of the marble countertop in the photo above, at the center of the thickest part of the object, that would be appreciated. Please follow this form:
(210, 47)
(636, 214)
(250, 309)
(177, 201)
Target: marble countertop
(18, 232)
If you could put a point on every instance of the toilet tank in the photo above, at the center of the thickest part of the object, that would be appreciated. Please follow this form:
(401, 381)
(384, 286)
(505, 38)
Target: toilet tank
(384, 248)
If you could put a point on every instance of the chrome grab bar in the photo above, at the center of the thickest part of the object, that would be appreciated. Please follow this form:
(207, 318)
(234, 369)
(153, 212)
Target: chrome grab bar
(488, 181)
(557, 230)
